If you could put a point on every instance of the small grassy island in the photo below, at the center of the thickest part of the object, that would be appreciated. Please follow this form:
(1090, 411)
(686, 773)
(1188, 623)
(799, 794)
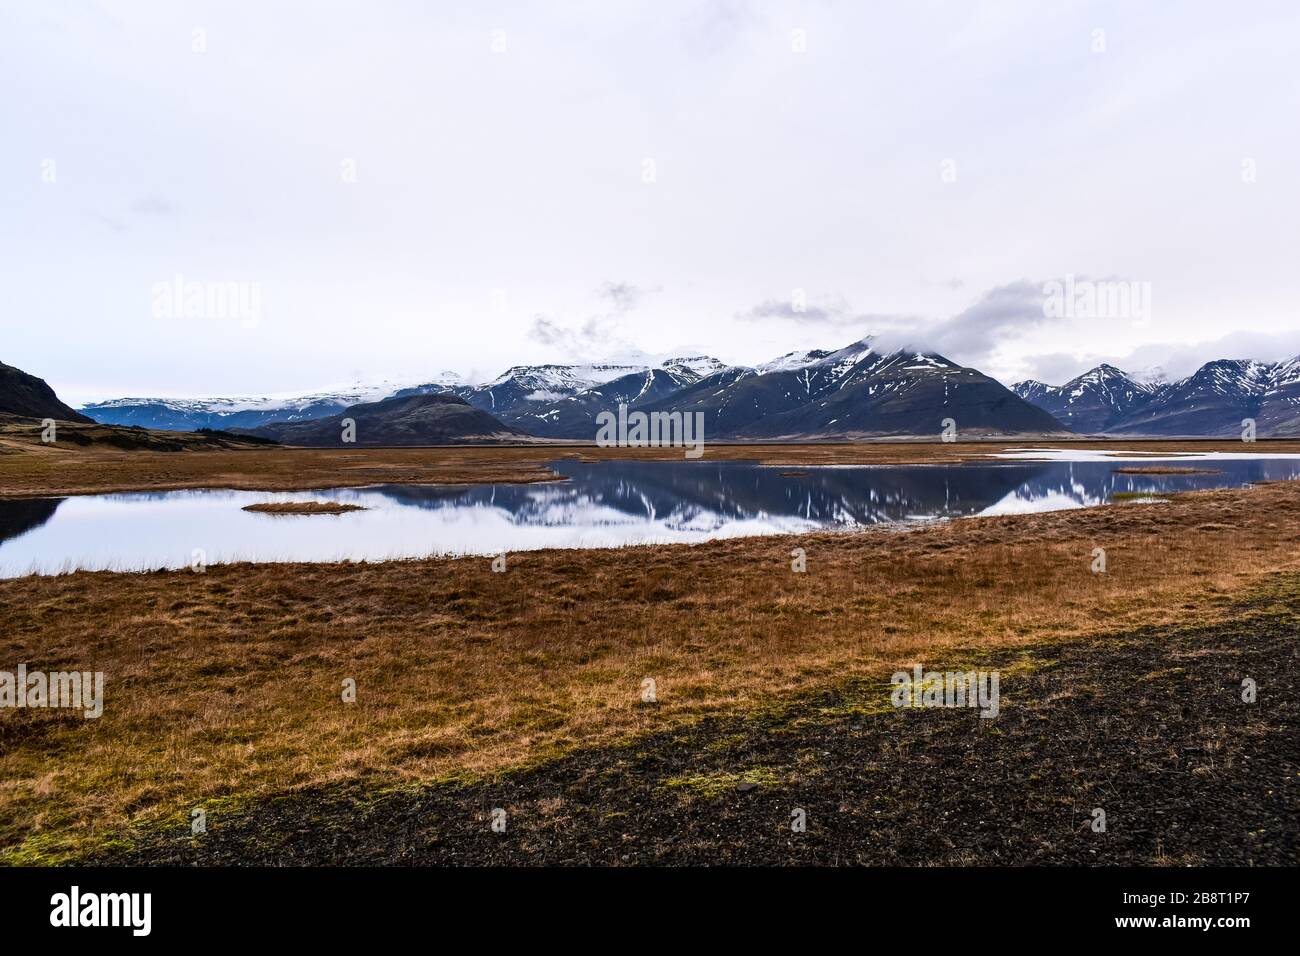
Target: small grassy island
(302, 508)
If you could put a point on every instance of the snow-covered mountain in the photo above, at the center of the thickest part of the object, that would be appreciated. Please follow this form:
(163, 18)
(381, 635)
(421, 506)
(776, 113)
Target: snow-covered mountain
(188, 414)
(531, 391)
(792, 361)
(563, 401)
(543, 383)
(550, 413)
(856, 391)
(524, 393)
(689, 369)
(575, 415)
(1279, 412)
(1152, 375)
(1095, 401)
(1212, 402)
(849, 391)
(1031, 389)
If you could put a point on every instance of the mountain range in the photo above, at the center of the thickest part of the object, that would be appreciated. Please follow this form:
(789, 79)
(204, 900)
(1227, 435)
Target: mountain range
(1211, 402)
(186, 414)
(854, 392)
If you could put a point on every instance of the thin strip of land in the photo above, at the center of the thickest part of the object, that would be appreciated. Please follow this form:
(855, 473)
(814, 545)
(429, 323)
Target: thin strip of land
(302, 508)
(1163, 470)
(31, 468)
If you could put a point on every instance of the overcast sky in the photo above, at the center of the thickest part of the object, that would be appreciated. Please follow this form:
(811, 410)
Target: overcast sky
(407, 187)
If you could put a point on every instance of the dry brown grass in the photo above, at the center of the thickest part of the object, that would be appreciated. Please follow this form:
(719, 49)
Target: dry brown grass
(66, 470)
(227, 684)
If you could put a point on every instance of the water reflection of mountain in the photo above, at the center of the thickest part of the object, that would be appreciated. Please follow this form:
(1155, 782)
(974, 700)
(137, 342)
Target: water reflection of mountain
(1094, 482)
(602, 504)
(20, 515)
(683, 492)
(417, 496)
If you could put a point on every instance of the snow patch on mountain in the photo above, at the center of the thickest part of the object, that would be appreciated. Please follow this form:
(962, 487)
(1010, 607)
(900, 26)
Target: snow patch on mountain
(792, 361)
(341, 397)
(693, 367)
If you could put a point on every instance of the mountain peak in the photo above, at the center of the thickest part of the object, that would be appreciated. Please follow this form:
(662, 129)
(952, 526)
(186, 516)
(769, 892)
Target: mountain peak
(792, 361)
(1212, 401)
(693, 366)
(1091, 402)
(1100, 373)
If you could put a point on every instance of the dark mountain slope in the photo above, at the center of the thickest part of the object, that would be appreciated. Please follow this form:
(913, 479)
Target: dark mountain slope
(911, 394)
(411, 420)
(858, 391)
(28, 396)
(1279, 412)
(1211, 402)
(575, 416)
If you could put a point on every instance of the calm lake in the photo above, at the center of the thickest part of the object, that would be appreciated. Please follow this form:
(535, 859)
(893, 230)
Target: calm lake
(601, 505)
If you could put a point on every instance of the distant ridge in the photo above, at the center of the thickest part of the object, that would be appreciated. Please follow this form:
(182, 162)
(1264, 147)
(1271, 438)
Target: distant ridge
(1212, 402)
(849, 392)
(855, 391)
(408, 420)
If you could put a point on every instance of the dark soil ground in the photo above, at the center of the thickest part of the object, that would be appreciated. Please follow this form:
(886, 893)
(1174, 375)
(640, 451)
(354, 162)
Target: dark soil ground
(1148, 726)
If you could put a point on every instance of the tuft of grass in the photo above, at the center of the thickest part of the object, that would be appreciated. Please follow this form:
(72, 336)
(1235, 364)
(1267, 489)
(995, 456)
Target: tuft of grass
(713, 785)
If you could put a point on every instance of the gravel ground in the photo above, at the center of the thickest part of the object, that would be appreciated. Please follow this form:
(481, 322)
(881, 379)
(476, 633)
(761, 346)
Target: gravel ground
(1149, 727)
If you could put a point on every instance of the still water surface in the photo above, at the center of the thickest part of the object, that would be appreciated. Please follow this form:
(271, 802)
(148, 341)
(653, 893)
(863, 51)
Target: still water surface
(601, 505)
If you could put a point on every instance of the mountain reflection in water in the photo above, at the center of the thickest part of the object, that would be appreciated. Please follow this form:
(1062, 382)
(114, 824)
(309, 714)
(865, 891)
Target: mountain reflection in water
(599, 505)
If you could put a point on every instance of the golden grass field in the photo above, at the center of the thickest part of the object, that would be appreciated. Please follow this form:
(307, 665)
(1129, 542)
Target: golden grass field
(226, 686)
